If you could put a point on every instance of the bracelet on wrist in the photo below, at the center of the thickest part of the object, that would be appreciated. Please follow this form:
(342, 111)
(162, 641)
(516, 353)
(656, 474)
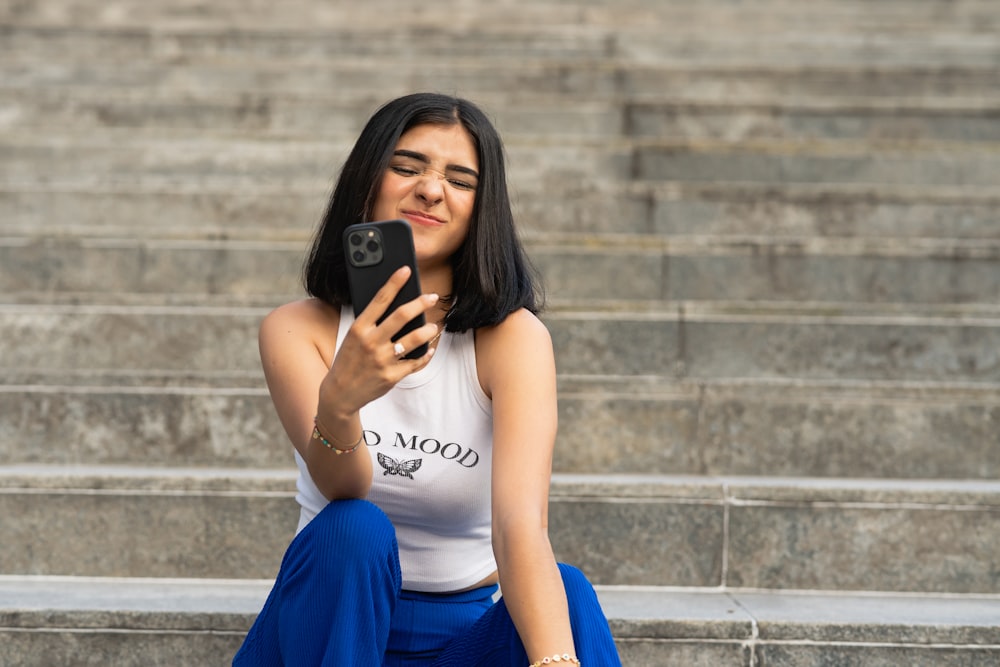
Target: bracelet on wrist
(558, 658)
(317, 435)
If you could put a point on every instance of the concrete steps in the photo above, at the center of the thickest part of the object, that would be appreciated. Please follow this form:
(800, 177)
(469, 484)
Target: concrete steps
(134, 621)
(684, 340)
(801, 83)
(648, 268)
(104, 157)
(733, 43)
(640, 529)
(675, 209)
(798, 389)
(968, 16)
(821, 428)
(769, 236)
(317, 116)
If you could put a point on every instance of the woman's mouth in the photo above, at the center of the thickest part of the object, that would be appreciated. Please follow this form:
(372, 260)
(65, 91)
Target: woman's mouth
(422, 218)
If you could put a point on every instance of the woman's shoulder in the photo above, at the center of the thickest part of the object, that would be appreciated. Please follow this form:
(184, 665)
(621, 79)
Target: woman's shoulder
(309, 319)
(521, 326)
(303, 313)
(520, 343)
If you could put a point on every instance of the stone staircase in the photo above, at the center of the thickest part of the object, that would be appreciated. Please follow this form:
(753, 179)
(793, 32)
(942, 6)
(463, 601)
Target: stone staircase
(770, 233)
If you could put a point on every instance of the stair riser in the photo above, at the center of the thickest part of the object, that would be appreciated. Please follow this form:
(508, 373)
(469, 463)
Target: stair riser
(902, 125)
(887, 167)
(327, 119)
(771, 273)
(320, 119)
(165, 46)
(864, 655)
(796, 544)
(99, 647)
(109, 533)
(754, 272)
(252, 162)
(515, 47)
(852, 17)
(255, 163)
(683, 652)
(211, 269)
(818, 348)
(861, 548)
(172, 213)
(155, 648)
(861, 216)
(200, 428)
(275, 213)
(727, 82)
(141, 649)
(755, 432)
(748, 432)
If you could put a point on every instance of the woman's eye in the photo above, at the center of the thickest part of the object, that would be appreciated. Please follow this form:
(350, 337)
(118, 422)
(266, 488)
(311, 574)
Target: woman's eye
(404, 171)
(462, 185)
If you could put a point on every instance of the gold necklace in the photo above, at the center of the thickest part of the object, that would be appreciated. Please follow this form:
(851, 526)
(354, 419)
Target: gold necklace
(430, 343)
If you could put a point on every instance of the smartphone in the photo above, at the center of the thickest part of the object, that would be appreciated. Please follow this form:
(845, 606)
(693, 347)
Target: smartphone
(374, 251)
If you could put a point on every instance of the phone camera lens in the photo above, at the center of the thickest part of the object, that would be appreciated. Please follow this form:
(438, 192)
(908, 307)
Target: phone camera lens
(358, 256)
(372, 246)
(356, 239)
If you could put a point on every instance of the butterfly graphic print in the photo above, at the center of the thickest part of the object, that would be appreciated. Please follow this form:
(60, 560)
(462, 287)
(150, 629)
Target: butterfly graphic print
(402, 468)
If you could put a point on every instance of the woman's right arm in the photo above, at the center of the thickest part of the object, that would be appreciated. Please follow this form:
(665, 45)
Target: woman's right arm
(296, 344)
(292, 339)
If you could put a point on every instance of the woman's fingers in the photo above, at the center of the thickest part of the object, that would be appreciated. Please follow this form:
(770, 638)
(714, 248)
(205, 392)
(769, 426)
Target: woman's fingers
(414, 339)
(394, 322)
(384, 296)
(377, 355)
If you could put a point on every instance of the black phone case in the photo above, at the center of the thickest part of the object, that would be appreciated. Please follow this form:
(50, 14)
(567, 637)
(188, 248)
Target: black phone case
(396, 240)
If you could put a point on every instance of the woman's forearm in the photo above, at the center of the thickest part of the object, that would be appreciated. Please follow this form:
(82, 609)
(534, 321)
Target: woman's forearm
(336, 453)
(533, 591)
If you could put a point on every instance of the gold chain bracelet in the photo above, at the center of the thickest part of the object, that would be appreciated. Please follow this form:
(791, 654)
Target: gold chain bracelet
(329, 445)
(565, 657)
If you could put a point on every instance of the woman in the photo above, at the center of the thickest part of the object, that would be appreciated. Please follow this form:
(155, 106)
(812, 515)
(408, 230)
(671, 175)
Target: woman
(423, 482)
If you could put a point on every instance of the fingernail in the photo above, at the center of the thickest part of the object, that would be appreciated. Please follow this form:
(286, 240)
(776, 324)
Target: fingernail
(433, 298)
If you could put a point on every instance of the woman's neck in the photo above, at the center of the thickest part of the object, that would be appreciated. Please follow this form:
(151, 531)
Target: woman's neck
(437, 280)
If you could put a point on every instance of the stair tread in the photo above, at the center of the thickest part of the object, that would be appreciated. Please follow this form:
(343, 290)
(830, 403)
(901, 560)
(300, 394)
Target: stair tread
(634, 611)
(565, 486)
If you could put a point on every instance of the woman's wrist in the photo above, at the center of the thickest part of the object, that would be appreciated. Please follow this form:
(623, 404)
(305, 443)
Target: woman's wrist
(337, 446)
(557, 659)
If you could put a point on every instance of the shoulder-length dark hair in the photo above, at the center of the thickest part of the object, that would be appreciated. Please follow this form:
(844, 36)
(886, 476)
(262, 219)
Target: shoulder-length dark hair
(491, 274)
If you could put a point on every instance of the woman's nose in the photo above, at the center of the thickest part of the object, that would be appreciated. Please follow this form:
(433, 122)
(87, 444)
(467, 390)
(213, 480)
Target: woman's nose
(430, 189)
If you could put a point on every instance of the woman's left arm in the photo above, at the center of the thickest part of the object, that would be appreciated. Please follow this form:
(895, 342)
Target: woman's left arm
(517, 369)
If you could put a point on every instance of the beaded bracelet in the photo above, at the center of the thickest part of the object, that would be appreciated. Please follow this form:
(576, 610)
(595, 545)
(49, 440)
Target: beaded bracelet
(336, 450)
(565, 657)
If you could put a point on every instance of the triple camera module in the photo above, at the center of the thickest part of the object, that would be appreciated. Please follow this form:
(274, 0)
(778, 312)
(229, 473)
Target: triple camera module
(365, 247)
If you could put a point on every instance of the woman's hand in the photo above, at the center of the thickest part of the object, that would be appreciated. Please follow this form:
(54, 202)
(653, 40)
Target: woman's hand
(368, 363)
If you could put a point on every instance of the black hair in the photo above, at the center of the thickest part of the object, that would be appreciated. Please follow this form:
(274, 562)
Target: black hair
(492, 276)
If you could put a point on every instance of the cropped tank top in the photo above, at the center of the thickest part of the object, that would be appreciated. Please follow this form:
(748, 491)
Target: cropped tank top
(431, 443)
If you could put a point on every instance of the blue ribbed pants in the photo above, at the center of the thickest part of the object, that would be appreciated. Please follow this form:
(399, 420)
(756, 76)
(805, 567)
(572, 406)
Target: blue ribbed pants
(337, 601)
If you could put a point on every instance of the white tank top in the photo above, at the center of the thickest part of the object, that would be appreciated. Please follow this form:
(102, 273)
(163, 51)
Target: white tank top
(431, 443)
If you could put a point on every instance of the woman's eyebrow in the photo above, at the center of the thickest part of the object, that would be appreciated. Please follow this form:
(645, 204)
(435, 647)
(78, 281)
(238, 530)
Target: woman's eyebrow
(402, 152)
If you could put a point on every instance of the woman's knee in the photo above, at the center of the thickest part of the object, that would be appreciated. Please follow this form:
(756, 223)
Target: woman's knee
(352, 529)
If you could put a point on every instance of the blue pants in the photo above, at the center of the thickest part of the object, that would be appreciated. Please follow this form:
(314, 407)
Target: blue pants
(337, 601)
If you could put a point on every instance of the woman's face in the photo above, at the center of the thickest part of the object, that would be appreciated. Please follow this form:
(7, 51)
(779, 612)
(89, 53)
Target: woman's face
(431, 183)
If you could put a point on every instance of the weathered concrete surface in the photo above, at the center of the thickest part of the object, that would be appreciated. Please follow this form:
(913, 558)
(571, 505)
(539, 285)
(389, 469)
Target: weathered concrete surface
(202, 622)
